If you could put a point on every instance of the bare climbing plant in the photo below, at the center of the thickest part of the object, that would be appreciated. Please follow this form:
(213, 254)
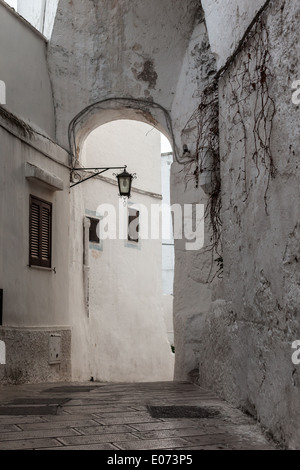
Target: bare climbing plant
(250, 92)
(205, 163)
(250, 95)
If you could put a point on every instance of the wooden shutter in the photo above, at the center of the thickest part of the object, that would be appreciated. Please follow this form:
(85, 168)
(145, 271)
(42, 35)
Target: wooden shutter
(34, 232)
(40, 232)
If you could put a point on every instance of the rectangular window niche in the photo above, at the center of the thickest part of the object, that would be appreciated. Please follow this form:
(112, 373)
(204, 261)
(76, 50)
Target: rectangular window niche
(95, 242)
(133, 227)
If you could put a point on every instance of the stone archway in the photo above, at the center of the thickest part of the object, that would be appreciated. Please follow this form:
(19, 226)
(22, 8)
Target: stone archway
(113, 109)
(145, 54)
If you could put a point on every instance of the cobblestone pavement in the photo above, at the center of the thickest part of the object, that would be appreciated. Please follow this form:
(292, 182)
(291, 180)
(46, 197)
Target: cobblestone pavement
(147, 416)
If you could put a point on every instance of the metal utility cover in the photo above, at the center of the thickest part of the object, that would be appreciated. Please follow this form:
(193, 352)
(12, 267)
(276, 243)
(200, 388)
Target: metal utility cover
(182, 412)
(55, 349)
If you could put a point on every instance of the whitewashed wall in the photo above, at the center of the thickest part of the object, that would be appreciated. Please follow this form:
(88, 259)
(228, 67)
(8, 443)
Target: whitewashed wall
(161, 53)
(35, 301)
(39, 13)
(227, 21)
(246, 352)
(24, 69)
(125, 336)
(168, 246)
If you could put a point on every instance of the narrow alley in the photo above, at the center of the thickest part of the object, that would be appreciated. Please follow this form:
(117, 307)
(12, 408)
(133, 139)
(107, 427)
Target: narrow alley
(131, 417)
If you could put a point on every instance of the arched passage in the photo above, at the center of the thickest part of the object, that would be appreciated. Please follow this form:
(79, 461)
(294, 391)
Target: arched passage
(119, 331)
(113, 109)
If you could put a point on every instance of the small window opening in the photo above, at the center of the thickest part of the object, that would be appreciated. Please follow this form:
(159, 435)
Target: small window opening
(133, 225)
(94, 230)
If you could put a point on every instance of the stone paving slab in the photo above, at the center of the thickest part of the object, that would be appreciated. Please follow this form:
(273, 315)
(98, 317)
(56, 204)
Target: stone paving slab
(92, 430)
(29, 444)
(115, 417)
(164, 425)
(16, 410)
(183, 432)
(153, 444)
(86, 447)
(125, 420)
(20, 419)
(66, 417)
(57, 425)
(9, 428)
(37, 434)
(94, 439)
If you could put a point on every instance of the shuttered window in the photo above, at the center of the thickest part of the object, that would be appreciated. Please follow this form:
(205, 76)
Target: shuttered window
(40, 222)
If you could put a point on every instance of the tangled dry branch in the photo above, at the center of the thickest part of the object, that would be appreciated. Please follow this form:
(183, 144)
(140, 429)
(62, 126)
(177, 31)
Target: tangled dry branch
(248, 74)
(203, 166)
(250, 91)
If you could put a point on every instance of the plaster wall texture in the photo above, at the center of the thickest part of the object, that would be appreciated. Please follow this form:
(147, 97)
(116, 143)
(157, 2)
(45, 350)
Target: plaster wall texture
(24, 365)
(104, 50)
(168, 247)
(33, 11)
(241, 343)
(192, 291)
(197, 67)
(246, 341)
(32, 297)
(124, 335)
(168, 317)
(167, 229)
(117, 49)
(24, 69)
(227, 21)
(126, 142)
(40, 13)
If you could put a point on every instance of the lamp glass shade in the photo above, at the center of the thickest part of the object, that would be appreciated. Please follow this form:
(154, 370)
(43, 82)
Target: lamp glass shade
(124, 182)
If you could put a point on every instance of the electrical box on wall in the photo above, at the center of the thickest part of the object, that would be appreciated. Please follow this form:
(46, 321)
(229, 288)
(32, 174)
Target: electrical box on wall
(54, 349)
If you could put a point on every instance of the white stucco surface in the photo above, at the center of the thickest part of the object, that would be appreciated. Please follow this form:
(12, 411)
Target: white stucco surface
(31, 296)
(39, 13)
(117, 51)
(237, 333)
(227, 21)
(247, 335)
(34, 302)
(115, 145)
(167, 241)
(125, 337)
(24, 69)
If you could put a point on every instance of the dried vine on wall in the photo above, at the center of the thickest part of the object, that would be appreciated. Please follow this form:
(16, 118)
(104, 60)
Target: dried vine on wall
(250, 96)
(205, 162)
(250, 91)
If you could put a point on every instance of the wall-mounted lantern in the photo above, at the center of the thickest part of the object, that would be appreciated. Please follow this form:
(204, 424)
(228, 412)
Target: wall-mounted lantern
(124, 183)
(124, 178)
